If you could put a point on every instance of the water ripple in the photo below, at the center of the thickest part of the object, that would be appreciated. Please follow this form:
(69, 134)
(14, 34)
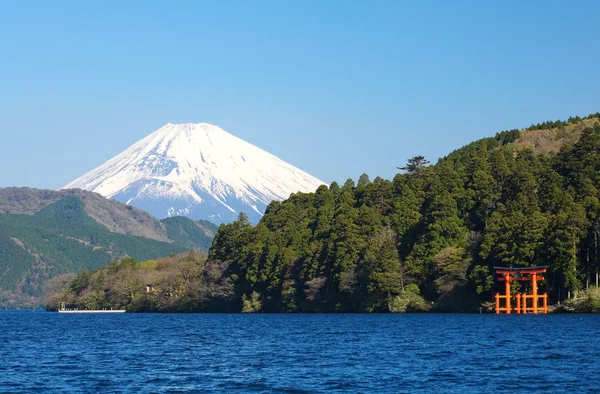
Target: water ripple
(46, 352)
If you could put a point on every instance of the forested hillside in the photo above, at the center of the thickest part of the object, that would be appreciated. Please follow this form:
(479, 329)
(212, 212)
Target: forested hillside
(430, 237)
(115, 216)
(192, 234)
(62, 238)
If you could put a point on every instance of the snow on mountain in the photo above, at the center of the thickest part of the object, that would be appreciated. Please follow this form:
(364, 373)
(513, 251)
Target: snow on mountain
(199, 171)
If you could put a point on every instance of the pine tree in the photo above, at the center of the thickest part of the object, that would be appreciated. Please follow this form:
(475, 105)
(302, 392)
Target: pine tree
(386, 276)
(443, 228)
(415, 165)
(363, 180)
(565, 231)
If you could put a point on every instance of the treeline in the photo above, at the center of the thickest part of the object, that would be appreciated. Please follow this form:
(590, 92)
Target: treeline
(561, 123)
(427, 239)
(187, 282)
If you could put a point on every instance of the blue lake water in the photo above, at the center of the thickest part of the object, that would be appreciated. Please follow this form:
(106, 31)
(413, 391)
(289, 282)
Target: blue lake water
(48, 352)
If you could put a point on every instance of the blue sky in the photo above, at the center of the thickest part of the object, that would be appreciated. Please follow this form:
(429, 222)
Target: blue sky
(336, 88)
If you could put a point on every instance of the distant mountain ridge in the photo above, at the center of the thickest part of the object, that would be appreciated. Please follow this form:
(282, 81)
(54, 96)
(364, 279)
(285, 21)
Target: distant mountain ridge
(115, 216)
(46, 233)
(199, 171)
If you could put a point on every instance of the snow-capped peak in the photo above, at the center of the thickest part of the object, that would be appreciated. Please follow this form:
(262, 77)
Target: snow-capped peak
(196, 170)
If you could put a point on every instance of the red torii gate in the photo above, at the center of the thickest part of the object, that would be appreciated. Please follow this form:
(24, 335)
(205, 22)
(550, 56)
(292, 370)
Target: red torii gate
(521, 274)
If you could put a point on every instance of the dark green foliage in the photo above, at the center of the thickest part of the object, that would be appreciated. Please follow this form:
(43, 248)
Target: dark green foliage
(435, 230)
(188, 233)
(415, 165)
(364, 180)
(550, 124)
(451, 284)
(70, 208)
(16, 261)
(506, 137)
(561, 123)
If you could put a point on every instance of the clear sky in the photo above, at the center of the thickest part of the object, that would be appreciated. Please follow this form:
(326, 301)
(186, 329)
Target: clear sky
(336, 88)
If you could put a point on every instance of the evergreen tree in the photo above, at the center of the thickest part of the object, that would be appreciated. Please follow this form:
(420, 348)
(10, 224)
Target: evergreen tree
(443, 228)
(363, 180)
(564, 234)
(386, 275)
(415, 165)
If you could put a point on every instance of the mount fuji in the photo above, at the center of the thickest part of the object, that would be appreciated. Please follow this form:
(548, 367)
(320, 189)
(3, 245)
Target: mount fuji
(199, 171)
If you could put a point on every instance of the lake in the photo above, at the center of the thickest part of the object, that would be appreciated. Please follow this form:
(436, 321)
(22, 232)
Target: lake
(428, 353)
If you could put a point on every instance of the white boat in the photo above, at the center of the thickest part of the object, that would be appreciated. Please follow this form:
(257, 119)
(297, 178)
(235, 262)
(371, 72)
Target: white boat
(92, 311)
(65, 310)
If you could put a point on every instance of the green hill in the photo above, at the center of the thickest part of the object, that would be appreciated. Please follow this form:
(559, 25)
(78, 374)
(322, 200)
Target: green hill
(36, 248)
(113, 215)
(70, 208)
(62, 238)
(430, 237)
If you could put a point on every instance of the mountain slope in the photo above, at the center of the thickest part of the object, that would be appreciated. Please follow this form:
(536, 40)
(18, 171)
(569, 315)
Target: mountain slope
(199, 171)
(549, 137)
(115, 216)
(45, 233)
(189, 233)
(36, 248)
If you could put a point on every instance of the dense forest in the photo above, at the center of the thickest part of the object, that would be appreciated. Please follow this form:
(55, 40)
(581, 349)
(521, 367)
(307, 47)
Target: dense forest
(426, 240)
(429, 238)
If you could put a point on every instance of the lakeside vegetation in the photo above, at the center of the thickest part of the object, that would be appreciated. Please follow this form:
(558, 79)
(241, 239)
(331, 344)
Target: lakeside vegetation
(425, 241)
(187, 282)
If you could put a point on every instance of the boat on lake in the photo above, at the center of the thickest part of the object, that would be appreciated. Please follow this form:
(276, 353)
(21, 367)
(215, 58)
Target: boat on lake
(63, 309)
